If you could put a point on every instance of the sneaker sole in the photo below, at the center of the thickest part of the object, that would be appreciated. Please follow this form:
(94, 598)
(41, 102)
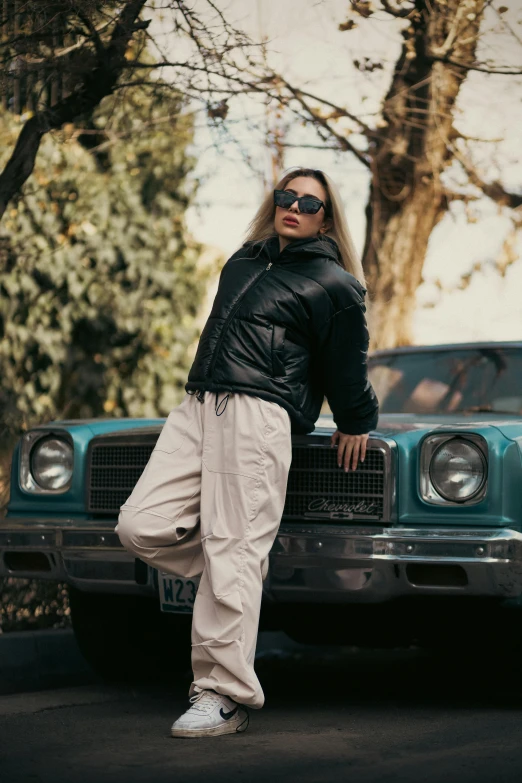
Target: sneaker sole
(215, 731)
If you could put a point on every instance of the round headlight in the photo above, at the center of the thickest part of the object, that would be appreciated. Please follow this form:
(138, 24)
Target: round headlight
(52, 463)
(458, 470)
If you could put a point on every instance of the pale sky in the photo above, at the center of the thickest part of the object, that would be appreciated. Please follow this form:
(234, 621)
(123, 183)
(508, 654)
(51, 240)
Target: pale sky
(307, 47)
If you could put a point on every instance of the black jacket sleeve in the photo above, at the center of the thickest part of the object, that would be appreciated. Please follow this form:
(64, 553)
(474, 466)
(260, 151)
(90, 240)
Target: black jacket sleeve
(343, 355)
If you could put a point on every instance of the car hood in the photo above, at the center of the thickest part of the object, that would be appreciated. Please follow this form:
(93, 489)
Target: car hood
(108, 426)
(391, 424)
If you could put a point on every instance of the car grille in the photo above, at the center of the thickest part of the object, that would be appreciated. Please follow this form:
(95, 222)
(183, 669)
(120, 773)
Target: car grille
(317, 488)
(114, 469)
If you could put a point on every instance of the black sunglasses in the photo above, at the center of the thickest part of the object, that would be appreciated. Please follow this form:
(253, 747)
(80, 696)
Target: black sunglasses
(308, 205)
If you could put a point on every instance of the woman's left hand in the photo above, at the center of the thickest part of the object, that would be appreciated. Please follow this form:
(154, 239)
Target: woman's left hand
(349, 448)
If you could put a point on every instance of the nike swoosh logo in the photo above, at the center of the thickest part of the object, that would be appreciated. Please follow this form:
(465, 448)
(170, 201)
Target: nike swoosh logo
(228, 715)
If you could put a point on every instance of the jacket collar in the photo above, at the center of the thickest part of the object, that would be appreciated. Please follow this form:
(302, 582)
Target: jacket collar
(307, 248)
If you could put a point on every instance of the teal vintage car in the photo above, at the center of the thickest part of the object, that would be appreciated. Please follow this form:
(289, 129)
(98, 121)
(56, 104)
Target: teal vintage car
(421, 544)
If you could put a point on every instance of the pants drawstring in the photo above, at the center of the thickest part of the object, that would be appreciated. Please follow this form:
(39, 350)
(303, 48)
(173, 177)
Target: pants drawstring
(200, 396)
(224, 400)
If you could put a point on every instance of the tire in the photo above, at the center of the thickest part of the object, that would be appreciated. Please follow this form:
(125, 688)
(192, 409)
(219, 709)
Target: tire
(365, 625)
(128, 638)
(483, 633)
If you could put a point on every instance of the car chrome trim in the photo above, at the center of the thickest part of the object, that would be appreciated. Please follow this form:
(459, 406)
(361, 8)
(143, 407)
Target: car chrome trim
(308, 562)
(87, 555)
(361, 563)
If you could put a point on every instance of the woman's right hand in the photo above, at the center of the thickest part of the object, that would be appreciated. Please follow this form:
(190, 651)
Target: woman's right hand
(349, 448)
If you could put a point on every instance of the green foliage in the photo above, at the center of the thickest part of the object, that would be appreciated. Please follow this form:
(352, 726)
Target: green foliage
(99, 281)
(31, 605)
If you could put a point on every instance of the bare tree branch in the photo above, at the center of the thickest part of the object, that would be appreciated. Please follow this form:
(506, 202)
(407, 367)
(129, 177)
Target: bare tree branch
(95, 37)
(342, 112)
(494, 190)
(95, 86)
(58, 53)
(344, 144)
(399, 13)
(478, 67)
(447, 45)
(453, 195)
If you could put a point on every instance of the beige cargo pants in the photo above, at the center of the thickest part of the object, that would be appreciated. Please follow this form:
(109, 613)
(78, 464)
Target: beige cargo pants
(209, 502)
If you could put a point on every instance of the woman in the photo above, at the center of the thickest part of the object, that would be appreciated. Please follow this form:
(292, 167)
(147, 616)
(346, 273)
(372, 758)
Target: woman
(287, 327)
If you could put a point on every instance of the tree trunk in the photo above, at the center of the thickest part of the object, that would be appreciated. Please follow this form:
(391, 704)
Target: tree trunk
(410, 153)
(400, 244)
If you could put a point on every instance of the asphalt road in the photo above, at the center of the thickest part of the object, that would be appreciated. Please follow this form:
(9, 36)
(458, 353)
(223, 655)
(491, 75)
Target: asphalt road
(344, 716)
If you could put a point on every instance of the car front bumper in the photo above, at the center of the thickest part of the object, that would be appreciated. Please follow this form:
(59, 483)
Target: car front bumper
(312, 563)
(321, 563)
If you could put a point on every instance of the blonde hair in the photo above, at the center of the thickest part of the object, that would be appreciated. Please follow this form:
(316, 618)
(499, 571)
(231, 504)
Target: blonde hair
(262, 225)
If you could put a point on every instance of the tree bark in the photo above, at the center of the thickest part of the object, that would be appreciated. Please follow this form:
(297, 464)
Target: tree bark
(409, 155)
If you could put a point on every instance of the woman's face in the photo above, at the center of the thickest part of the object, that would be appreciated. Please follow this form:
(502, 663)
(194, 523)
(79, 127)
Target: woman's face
(290, 223)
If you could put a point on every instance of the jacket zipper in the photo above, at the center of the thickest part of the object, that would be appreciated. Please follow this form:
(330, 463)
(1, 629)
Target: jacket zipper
(231, 315)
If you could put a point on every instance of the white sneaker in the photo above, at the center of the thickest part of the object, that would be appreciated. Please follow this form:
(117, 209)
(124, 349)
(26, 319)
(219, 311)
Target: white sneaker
(211, 714)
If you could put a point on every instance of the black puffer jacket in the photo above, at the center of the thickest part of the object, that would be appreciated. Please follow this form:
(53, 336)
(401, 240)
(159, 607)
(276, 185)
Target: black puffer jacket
(289, 327)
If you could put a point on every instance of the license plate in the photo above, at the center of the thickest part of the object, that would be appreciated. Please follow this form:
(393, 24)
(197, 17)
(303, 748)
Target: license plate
(177, 594)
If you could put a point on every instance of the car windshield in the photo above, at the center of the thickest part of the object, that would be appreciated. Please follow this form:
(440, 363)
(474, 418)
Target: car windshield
(452, 381)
